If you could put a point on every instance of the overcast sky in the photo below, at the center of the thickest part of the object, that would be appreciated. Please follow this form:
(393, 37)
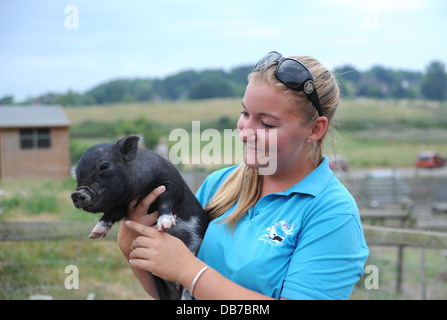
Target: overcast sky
(44, 49)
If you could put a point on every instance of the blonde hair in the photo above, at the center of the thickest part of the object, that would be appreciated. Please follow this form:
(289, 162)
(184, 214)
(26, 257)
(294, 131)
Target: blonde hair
(243, 186)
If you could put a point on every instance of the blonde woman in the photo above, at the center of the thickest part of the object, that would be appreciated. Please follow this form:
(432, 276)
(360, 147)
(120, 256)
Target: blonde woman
(292, 234)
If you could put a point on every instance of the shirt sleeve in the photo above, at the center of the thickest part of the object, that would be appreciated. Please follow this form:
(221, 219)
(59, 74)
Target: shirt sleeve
(329, 257)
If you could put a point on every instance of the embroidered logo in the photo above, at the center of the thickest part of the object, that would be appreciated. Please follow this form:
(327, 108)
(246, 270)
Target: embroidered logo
(277, 233)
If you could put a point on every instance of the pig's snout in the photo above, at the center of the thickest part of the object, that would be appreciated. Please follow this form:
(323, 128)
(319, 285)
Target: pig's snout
(81, 199)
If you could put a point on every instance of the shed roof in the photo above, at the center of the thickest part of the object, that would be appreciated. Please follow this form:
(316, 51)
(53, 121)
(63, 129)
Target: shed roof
(33, 116)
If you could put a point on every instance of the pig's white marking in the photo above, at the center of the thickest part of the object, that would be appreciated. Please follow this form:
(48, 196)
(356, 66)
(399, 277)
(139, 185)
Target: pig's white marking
(165, 222)
(191, 226)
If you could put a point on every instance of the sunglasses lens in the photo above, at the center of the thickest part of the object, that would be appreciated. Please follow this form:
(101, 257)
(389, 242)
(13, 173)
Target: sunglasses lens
(292, 73)
(268, 59)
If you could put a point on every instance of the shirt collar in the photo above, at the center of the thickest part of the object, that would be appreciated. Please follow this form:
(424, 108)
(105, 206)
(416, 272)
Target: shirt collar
(315, 182)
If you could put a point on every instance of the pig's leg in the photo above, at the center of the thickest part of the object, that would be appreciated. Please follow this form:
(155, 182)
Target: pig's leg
(100, 230)
(165, 217)
(165, 222)
(106, 222)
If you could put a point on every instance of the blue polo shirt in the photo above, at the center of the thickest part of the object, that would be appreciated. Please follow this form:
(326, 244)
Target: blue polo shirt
(304, 243)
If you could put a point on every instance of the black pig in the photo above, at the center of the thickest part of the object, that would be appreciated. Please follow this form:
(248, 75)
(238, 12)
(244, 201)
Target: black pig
(110, 175)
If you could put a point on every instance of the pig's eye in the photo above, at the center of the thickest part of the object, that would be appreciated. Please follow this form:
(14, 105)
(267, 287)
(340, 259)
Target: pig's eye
(104, 166)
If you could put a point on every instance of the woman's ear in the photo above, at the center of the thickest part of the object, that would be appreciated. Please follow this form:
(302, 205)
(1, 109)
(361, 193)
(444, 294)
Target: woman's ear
(318, 129)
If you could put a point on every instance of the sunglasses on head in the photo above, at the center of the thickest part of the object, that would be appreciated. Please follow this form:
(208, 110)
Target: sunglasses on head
(293, 74)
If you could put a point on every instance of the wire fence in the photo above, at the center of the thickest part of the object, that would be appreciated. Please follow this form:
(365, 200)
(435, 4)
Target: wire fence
(57, 261)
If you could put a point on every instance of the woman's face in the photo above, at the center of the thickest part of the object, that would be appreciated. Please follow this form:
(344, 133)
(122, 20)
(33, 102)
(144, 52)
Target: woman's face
(270, 131)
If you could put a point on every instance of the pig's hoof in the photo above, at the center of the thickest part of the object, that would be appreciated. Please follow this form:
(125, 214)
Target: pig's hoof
(100, 230)
(165, 222)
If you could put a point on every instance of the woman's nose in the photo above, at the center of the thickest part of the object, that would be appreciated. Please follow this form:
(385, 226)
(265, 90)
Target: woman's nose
(247, 133)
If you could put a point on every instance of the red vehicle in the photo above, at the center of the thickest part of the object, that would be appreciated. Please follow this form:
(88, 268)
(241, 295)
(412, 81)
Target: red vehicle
(338, 163)
(429, 159)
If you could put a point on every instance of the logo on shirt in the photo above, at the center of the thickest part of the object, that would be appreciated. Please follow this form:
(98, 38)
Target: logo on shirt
(277, 233)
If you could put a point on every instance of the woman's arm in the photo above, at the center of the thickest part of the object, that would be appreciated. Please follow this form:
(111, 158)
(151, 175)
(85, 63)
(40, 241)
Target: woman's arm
(151, 252)
(126, 236)
(168, 257)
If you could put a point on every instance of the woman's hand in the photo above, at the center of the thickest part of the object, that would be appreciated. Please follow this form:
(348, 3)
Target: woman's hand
(162, 254)
(126, 236)
(139, 214)
(152, 252)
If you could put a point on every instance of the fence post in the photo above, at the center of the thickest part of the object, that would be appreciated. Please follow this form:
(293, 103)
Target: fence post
(422, 270)
(400, 253)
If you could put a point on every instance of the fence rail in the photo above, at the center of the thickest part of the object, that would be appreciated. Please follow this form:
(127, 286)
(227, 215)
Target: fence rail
(404, 237)
(28, 231)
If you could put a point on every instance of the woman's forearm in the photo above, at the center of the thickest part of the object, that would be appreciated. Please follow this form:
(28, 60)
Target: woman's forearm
(147, 282)
(169, 258)
(211, 285)
(125, 238)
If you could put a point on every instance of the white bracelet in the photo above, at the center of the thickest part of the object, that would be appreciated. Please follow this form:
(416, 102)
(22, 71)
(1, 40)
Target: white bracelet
(191, 289)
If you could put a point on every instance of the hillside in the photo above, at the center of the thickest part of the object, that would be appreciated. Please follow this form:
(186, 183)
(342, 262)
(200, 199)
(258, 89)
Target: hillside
(370, 132)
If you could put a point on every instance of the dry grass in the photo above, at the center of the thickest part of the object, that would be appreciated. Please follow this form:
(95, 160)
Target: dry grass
(372, 133)
(167, 112)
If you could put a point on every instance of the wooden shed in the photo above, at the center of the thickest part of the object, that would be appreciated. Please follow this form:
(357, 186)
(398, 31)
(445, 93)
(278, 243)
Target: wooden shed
(34, 142)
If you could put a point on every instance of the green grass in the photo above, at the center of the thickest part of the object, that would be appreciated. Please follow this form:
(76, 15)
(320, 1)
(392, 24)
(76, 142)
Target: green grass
(385, 259)
(361, 114)
(38, 267)
(168, 112)
(366, 152)
(355, 114)
(371, 133)
(40, 199)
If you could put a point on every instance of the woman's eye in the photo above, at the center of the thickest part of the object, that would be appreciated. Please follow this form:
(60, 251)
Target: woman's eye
(267, 126)
(262, 123)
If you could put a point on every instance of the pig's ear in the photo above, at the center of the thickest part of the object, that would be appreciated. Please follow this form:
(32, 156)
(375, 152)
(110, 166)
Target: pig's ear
(128, 147)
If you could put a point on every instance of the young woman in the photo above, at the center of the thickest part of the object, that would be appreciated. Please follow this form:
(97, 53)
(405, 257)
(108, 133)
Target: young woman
(291, 234)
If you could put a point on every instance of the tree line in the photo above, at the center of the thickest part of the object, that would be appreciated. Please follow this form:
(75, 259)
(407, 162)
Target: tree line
(377, 82)
(380, 82)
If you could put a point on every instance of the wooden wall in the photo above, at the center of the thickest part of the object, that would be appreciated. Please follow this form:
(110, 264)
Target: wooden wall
(53, 162)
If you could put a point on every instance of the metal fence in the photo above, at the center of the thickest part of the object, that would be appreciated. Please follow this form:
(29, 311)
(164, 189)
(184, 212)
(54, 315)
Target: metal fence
(57, 260)
(38, 260)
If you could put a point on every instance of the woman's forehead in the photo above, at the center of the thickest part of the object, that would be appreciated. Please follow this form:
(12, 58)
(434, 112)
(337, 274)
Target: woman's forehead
(265, 99)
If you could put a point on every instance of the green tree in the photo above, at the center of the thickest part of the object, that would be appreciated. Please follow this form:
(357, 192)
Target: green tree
(139, 126)
(71, 99)
(7, 100)
(211, 85)
(177, 86)
(434, 82)
(347, 73)
(142, 90)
